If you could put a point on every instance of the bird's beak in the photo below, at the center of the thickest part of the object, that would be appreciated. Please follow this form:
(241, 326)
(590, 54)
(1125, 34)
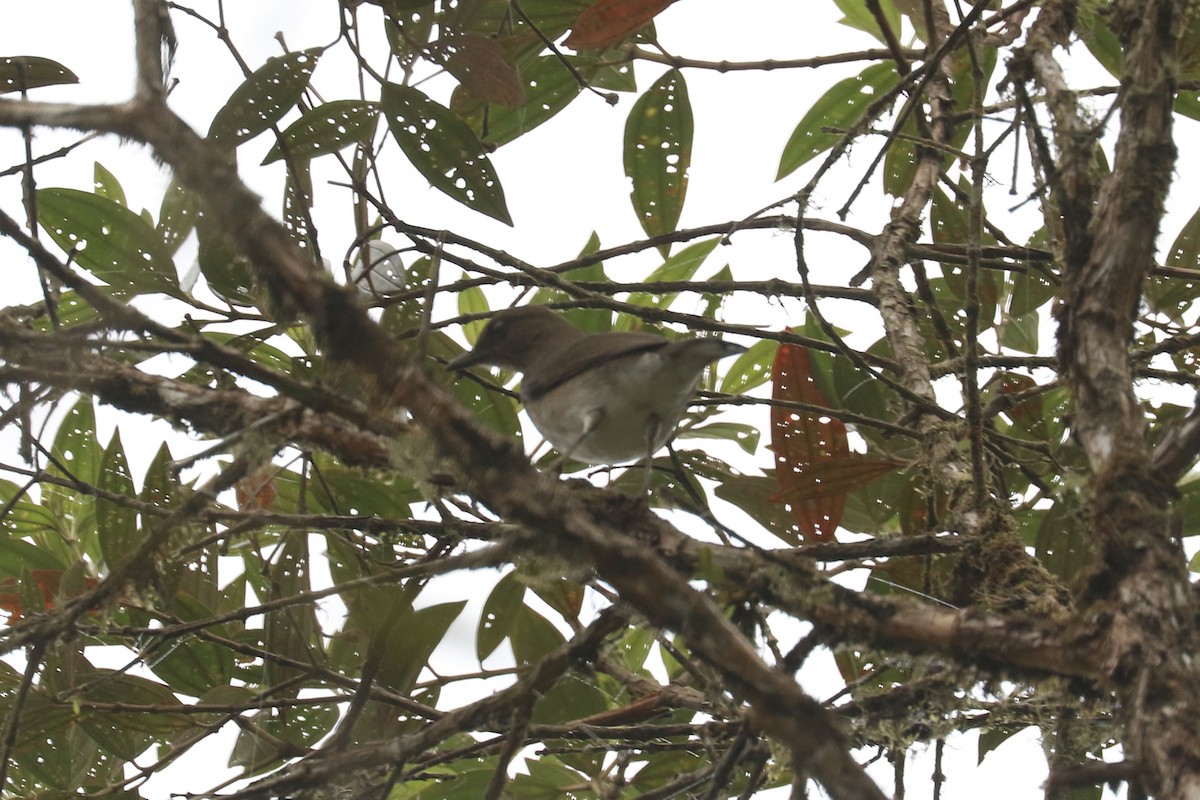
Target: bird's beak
(467, 359)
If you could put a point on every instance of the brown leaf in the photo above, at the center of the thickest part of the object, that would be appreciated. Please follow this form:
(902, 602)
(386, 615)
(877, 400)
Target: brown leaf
(1027, 410)
(639, 710)
(483, 68)
(814, 466)
(256, 491)
(609, 21)
(48, 581)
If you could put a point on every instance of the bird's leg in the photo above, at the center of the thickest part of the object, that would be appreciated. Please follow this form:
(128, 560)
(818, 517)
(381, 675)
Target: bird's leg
(653, 429)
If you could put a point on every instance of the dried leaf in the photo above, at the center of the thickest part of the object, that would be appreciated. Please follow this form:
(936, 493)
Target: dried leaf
(814, 466)
(482, 66)
(609, 21)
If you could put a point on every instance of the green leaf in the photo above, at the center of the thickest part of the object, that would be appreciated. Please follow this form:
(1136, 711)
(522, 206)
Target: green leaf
(666, 769)
(840, 107)
(570, 698)
(412, 639)
(1062, 540)
(533, 636)
(1101, 42)
(551, 17)
(297, 205)
(107, 185)
(679, 267)
(472, 300)
(253, 346)
(227, 273)
(744, 436)
(633, 648)
(40, 524)
(344, 490)
(658, 154)
(1173, 296)
(900, 163)
(752, 368)
(77, 449)
(1187, 509)
(110, 241)
(492, 407)
(116, 522)
(549, 88)
(191, 665)
(127, 735)
(991, 738)
(950, 224)
(261, 744)
(16, 554)
(444, 149)
(326, 129)
(859, 17)
(1021, 333)
(1030, 291)
(176, 216)
(590, 320)
(499, 615)
(756, 495)
(29, 72)
(1185, 250)
(264, 97)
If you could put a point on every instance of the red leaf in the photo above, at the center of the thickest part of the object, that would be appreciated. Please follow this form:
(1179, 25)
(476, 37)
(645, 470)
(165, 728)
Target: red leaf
(256, 491)
(47, 580)
(1027, 410)
(814, 466)
(609, 21)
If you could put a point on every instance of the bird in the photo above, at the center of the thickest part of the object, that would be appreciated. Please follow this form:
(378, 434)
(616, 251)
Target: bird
(599, 398)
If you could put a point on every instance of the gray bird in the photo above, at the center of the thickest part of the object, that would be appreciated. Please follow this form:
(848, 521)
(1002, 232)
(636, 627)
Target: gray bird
(602, 398)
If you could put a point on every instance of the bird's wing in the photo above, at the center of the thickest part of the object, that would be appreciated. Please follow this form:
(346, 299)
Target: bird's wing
(572, 361)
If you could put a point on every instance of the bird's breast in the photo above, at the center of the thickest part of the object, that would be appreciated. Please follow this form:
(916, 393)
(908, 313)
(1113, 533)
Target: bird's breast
(628, 397)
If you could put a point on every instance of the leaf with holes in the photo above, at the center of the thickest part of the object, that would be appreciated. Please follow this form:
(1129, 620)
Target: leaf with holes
(840, 107)
(176, 216)
(326, 129)
(1172, 296)
(499, 615)
(752, 368)
(548, 87)
(444, 149)
(107, 185)
(297, 205)
(658, 153)
(610, 21)
(264, 97)
(550, 18)
(481, 65)
(1062, 543)
(108, 240)
(116, 521)
(815, 468)
(19, 73)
